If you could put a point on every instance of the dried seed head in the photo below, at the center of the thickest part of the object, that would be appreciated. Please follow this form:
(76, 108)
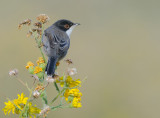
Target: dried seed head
(50, 79)
(25, 22)
(44, 111)
(43, 18)
(39, 87)
(13, 72)
(19, 26)
(56, 76)
(69, 61)
(39, 30)
(38, 24)
(29, 33)
(36, 94)
(72, 71)
(36, 77)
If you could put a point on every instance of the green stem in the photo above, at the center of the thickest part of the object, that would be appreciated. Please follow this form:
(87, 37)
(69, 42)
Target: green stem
(40, 48)
(56, 107)
(24, 109)
(44, 98)
(59, 106)
(41, 41)
(61, 101)
(42, 54)
(58, 95)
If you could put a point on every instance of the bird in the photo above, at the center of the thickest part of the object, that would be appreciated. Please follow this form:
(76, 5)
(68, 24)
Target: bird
(56, 42)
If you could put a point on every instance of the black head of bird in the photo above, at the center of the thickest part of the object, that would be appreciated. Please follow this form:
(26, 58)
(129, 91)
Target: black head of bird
(66, 25)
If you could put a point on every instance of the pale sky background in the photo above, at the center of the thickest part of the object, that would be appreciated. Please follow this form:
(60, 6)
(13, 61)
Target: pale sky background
(117, 47)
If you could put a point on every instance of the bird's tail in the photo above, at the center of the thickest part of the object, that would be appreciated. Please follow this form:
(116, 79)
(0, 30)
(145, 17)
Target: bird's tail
(51, 66)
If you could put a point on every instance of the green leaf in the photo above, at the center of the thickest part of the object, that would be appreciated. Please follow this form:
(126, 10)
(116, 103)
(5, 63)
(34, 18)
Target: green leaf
(55, 84)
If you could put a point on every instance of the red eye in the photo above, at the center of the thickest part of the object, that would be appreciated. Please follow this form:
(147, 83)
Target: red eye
(66, 26)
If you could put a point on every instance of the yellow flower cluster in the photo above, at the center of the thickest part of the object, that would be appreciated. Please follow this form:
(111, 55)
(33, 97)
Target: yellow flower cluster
(39, 69)
(40, 60)
(18, 105)
(72, 83)
(69, 82)
(74, 96)
(29, 64)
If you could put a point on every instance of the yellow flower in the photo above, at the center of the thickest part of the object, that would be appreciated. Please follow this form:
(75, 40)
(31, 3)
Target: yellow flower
(40, 60)
(29, 64)
(33, 110)
(74, 96)
(76, 103)
(21, 100)
(69, 82)
(9, 107)
(60, 80)
(17, 105)
(72, 83)
(66, 94)
(75, 92)
(37, 70)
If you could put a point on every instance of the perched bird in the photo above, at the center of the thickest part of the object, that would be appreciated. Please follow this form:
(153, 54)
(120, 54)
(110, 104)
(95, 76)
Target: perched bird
(56, 42)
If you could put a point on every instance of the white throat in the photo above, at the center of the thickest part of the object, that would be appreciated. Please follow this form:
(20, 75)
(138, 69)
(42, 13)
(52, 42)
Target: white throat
(69, 31)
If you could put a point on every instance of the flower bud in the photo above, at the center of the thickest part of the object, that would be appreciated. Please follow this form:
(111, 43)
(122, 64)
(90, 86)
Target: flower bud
(36, 94)
(13, 72)
(72, 71)
(45, 111)
(71, 106)
(49, 79)
(70, 98)
(40, 74)
(31, 70)
(43, 66)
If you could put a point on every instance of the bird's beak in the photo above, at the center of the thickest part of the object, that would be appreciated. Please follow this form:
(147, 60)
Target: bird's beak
(76, 24)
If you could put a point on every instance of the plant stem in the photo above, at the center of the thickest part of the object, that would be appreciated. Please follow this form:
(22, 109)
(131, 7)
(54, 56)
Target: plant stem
(58, 95)
(59, 106)
(42, 54)
(24, 109)
(41, 41)
(23, 83)
(44, 98)
(40, 46)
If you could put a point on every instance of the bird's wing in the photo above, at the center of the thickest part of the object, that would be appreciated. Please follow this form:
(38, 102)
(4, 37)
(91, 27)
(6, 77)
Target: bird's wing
(51, 38)
(57, 40)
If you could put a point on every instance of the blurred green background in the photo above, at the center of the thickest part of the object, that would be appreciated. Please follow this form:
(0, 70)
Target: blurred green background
(117, 47)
